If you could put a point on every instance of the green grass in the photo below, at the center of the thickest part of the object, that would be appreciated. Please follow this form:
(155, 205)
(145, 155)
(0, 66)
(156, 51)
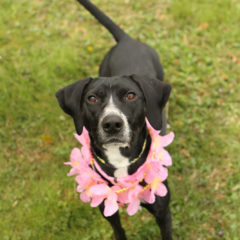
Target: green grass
(45, 45)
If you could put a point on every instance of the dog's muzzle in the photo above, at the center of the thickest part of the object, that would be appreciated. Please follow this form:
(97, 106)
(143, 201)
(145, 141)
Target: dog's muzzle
(113, 128)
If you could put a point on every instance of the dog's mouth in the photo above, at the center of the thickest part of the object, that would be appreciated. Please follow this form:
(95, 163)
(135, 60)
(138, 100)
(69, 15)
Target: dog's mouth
(114, 140)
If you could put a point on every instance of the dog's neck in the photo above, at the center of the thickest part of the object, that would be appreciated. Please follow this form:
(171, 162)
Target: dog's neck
(121, 160)
(116, 158)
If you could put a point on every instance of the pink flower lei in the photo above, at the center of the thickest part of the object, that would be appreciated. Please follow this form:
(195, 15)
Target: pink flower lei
(126, 190)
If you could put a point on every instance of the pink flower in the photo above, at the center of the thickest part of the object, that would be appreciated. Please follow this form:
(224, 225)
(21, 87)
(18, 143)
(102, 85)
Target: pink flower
(158, 187)
(123, 196)
(84, 197)
(161, 190)
(86, 153)
(167, 139)
(148, 196)
(166, 158)
(156, 171)
(134, 200)
(111, 205)
(75, 159)
(133, 207)
(99, 192)
(84, 181)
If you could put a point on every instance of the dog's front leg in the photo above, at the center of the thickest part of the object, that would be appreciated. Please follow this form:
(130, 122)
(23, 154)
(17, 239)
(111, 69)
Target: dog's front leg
(165, 224)
(160, 210)
(163, 219)
(115, 222)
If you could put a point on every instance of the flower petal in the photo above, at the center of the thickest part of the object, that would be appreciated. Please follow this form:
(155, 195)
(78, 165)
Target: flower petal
(163, 173)
(110, 207)
(133, 207)
(161, 190)
(99, 189)
(86, 153)
(123, 197)
(150, 176)
(96, 201)
(83, 180)
(166, 159)
(84, 197)
(134, 192)
(167, 139)
(73, 171)
(148, 196)
(76, 155)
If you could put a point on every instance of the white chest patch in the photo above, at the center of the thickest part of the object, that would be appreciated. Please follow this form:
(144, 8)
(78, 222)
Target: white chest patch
(117, 159)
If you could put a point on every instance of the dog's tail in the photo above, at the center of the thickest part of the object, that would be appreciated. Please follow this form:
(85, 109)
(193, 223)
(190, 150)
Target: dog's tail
(113, 28)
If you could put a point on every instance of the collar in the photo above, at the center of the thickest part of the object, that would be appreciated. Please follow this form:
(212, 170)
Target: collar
(94, 186)
(131, 162)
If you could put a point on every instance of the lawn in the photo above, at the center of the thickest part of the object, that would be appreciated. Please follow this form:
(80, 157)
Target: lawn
(45, 45)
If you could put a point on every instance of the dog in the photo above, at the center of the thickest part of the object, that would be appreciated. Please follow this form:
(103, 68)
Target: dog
(113, 108)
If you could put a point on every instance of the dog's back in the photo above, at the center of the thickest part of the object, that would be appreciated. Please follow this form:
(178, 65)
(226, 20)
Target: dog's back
(128, 56)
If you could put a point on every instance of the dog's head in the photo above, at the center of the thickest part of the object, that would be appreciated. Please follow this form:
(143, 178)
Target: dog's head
(113, 109)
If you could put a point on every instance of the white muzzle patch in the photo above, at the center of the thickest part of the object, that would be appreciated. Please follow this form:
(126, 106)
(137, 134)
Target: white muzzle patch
(112, 109)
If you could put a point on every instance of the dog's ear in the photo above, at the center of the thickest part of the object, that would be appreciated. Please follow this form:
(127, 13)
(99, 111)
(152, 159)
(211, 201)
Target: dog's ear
(156, 94)
(69, 99)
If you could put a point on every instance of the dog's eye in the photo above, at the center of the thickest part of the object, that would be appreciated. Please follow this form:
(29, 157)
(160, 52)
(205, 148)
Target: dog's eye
(131, 96)
(92, 99)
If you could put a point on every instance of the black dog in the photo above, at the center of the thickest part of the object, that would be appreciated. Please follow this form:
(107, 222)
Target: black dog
(113, 108)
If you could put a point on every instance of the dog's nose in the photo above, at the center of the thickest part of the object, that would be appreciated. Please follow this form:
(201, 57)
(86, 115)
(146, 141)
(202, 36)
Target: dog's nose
(112, 124)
